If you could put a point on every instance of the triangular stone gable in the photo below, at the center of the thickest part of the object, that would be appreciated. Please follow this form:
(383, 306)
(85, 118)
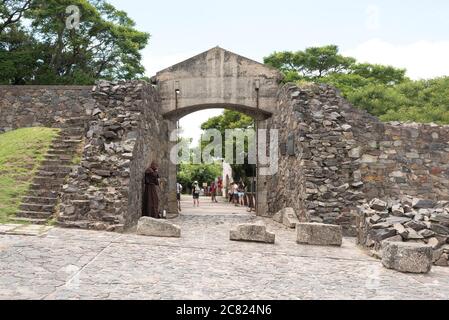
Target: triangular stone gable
(220, 62)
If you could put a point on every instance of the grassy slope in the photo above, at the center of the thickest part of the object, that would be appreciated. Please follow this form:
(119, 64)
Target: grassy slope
(21, 152)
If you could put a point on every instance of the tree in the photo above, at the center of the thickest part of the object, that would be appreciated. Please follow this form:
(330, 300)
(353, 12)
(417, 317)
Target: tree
(203, 173)
(312, 63)
(12, 11)
(384, 91)
(105, 45)
(233, 120)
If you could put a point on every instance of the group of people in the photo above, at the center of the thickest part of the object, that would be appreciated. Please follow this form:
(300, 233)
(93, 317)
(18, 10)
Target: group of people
(196, 193)
(237, 192)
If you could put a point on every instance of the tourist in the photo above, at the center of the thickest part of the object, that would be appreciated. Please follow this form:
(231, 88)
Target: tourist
(235, 192)
(213, 192)
(241, 193)
(231, 193)
(151, 198)
(196, 190)
(178, 195)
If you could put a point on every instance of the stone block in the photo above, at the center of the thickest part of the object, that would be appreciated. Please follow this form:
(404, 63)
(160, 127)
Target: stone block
(378, 205)
(423, 204)
(287, 217)
(252, 233)
(407, 257)
(279, 217)
(157, 228)
(319, 234)
(290, 220)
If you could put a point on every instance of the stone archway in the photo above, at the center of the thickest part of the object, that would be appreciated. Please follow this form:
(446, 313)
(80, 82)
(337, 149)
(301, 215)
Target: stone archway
(219, 79)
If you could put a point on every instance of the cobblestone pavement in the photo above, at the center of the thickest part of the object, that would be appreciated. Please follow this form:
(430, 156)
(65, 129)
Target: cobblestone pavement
(203, 264)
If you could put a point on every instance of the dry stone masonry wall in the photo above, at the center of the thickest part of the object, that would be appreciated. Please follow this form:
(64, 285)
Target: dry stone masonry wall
(335, 157)
(125, 134)
(42, 106)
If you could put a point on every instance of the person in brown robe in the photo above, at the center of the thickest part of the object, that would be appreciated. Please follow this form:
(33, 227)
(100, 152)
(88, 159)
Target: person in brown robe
(151, 198)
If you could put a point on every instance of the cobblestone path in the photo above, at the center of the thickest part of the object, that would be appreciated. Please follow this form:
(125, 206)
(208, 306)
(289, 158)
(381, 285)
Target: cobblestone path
(203, 264)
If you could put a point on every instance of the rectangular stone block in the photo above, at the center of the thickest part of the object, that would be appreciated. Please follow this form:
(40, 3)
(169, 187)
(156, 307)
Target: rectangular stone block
(252, 233)
(157, 228)
(319, 234)
(407, 257)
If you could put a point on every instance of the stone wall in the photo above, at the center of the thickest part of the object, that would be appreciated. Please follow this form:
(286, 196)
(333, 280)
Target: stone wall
(407, 159)
(46, 106)
(335, 157)
(126, 133)
(316, 170)
(406, 219)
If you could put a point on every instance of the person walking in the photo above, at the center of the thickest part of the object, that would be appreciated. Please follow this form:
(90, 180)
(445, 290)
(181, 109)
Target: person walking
(178, 195)
(213, 192)
(196, 190)
(235, 192)
(241, 193)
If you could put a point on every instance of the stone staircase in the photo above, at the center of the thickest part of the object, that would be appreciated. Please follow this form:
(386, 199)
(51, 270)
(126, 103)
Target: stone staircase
(39, 205)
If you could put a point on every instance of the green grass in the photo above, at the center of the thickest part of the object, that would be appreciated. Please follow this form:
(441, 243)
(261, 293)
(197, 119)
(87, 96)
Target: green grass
(21, 152)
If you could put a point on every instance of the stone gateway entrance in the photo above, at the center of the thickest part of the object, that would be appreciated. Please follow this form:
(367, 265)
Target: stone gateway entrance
(332, 157)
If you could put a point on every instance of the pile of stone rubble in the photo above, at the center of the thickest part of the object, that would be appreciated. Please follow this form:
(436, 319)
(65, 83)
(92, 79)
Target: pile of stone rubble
(407, 220)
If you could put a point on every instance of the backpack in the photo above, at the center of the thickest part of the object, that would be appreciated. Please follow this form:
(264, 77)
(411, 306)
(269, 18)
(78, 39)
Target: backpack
(196, 189)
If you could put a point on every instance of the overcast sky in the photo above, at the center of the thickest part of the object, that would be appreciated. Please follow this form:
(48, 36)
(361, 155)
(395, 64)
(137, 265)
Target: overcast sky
(411, 34)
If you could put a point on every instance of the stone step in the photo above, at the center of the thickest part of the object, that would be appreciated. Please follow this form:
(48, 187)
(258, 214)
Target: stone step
(34, 214)
(38, 186)
(42, 193)
(65, 145)
(72, 137)
(52, 174)
(73, 131)
(56, 168)
(78, 224)
(29, 221)
(62, 151)
(51, 156)
(56, 163)
(66, 140)
(40, 200)
(37, 207)
(48, 181)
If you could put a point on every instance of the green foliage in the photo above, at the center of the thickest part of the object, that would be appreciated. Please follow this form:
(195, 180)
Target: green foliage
(315, 62)
(203, 173)
(106, 45)
(232, 120)
(21, 152)
(384, 91)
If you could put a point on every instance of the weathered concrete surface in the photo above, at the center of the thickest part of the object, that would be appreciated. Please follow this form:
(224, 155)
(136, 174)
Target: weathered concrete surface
(319, 234)
(407, 257)
(215, 79)
(287, 217)
(252, 233)
(157, 228)
(203, 264)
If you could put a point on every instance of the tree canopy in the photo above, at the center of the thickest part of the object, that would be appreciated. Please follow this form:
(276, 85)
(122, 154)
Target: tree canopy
(38, 47)
(384, 91)
(231, 119)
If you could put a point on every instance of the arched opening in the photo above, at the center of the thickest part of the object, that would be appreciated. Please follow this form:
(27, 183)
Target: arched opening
(232, 177)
